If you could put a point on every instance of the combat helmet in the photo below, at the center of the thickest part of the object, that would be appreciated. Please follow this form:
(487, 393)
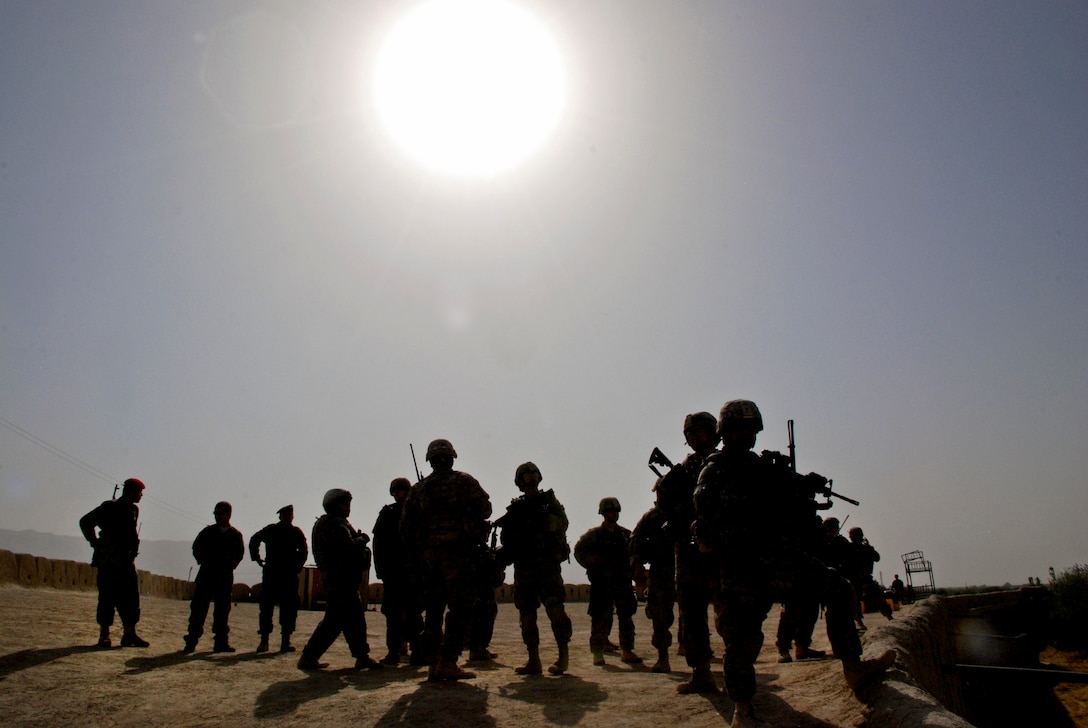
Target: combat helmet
(740, 415)
(333, 497)
(702, 419)
(609, 504)
(399, 484)
(437, 448)
(529, 467)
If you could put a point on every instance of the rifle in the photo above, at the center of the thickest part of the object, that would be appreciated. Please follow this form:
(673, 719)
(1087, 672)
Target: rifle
(414, 463)
(816, 483)
(659, 458)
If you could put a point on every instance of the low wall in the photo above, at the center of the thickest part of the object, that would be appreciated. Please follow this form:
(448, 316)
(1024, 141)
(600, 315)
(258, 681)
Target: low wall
(37, 571)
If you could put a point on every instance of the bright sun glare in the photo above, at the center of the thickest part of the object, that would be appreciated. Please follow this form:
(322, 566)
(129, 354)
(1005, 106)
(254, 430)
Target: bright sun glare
(469, 87)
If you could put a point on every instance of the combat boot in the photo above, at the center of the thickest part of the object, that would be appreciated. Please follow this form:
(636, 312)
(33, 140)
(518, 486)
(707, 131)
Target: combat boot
(190, 645)
(263, 645)
(532, 666)
(481, 654)
(744, 716)
(366, 663)
(702, 681)
(807, 653)
(662, 664)
(859, 672)
(629, 657)
(446, 669)
(562, 662)
(598, 656)
(285, 644)
(221, 645)
(784, 656)
(104, 637)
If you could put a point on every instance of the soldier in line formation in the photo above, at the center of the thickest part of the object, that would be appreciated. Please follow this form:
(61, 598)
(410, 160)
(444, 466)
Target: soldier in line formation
(285, 553)
(739, 527)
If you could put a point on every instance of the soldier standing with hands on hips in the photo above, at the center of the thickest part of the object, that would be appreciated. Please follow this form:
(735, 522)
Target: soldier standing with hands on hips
(285, 553)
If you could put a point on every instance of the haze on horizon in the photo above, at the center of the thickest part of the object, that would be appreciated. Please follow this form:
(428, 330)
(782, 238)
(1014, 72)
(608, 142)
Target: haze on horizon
(219, 274)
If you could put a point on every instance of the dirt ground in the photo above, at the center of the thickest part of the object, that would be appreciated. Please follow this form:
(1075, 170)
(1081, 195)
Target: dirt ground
(52, 675)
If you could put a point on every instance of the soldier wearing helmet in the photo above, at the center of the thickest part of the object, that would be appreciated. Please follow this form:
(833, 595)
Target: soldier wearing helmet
(400, 601)
(651, 544)
(218, 549)
(748, 512)
(111, 531)
(534, 540)
(696, 574)
(444, 523)
(868, 591)
(343, 558)
(604, 552)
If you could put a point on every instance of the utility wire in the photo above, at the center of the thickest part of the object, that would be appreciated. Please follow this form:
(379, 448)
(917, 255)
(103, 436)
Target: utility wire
(90, 469)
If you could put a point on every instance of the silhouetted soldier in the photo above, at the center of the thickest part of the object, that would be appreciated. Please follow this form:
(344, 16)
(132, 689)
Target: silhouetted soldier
(444, 521)
(752, 516)
(868, 592)
(111, 530)
(285, 553)
(604, 552)
(651, 544)
(534, 540)
(218, 549)
(343, 558)
(489, 577)
(400, 602)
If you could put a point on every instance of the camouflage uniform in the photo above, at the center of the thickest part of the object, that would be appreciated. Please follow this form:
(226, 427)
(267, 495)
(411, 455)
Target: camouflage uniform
(651, 544)
(343, 558)
(604, 553)
(444, 521)
(534, 541)
(753, 518)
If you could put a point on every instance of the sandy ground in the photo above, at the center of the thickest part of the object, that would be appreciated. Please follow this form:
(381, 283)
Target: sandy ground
(51, 674)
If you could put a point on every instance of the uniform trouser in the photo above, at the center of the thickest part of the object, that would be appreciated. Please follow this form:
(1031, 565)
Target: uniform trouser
(211, 588)
(797, 621)
(344, 614)
(280, 588)
(604, 596)
(484, 613)
(449, 590)
(403, 620)
(536, 584)
(118, 588)
(746, 600)
(660, 600)
(696, 584)
(869, 593)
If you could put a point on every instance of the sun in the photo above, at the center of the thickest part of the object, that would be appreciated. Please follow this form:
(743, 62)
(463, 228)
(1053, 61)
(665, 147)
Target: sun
(469, 88)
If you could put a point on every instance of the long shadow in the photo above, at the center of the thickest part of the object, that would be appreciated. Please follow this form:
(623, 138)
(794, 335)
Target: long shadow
(438, 705)
(564, 700)
(285, 697)
(26, 659)
(139, 665)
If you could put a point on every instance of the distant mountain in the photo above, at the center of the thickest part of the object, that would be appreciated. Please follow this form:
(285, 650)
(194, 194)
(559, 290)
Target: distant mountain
(166, 558)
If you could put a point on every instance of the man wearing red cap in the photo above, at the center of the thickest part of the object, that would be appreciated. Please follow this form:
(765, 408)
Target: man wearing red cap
(111, 530)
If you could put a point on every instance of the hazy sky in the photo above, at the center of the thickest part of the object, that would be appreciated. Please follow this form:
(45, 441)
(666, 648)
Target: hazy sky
(218, 274)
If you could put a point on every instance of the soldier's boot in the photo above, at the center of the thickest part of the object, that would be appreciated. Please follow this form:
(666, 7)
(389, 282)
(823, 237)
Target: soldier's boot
(702, 681)
(131, 639)
(598, 656)
(447, 669)
(610, 646)
(532, 666)
(629, 657)
(784, 656)
(562, 662)
(367, 663)
(393, 658)
(859, 672)
(481, 654)
(190, 645)
(104, 637)
(221, 645)
(662, 664)
(807, 653)
(310, 663)
(263, 645)
(285, 643)
(744, 716)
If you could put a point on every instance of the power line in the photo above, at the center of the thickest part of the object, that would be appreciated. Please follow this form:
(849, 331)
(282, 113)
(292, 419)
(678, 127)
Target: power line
(90, 469)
